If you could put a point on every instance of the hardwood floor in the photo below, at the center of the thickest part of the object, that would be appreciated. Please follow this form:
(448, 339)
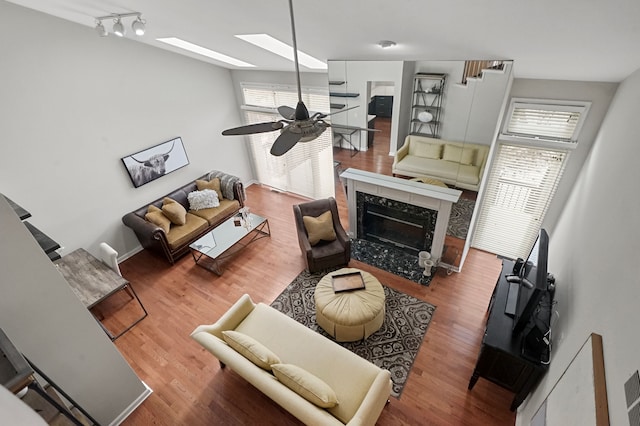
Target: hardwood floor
(189, 387)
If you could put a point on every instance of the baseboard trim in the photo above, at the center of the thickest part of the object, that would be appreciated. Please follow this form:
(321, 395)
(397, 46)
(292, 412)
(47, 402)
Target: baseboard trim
(131, 408)
(130, 253)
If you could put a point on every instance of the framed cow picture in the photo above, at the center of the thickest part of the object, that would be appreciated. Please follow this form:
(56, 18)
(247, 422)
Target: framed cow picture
(157, 161)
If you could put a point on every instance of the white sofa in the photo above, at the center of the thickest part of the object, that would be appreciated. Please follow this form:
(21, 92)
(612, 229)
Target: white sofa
(362, 389)
(455, 163)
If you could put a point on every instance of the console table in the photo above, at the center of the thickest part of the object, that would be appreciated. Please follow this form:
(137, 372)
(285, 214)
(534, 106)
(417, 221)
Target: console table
(92, 282)
(501, 359)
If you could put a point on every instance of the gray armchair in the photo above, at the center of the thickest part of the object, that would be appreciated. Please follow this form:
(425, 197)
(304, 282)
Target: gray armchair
(325, 254)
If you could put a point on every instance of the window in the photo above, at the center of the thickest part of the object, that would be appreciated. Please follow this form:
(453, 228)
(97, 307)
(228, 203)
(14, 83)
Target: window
(552, 121)
(520, 187)
(306, 169)
(530, 157)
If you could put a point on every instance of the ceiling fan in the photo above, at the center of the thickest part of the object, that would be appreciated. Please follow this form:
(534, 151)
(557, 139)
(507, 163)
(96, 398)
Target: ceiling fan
(297, 125)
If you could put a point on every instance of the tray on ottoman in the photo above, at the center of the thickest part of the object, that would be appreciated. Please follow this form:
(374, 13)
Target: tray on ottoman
(349, 281)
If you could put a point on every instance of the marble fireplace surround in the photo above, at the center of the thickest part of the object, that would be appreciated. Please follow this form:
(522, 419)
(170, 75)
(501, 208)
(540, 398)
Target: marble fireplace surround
(406, 191)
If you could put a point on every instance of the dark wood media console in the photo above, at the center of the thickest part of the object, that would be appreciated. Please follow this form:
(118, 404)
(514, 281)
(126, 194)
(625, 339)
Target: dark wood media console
(501, 359)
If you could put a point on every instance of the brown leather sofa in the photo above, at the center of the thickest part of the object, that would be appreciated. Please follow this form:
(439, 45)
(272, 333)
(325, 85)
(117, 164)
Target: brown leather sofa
(325, 254)
(176, 243)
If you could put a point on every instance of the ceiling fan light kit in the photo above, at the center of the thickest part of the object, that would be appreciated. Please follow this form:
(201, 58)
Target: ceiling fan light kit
(138, 26)
(296, 125)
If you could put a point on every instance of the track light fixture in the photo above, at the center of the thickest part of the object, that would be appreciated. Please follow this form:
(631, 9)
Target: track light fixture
(118, 28)
(138, 25)
(101, 30)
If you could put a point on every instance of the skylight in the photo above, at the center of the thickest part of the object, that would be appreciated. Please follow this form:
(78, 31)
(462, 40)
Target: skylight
(182, 44)
(269, 43)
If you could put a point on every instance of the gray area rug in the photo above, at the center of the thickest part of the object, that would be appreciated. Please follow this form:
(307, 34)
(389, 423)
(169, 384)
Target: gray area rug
(460, 218)
(393, 347)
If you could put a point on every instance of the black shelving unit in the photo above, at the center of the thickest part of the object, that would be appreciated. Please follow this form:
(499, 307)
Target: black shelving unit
(428, 90)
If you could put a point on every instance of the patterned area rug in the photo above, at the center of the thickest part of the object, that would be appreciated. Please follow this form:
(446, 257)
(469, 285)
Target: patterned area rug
(460, 218)
(389, 259)
(393, 347)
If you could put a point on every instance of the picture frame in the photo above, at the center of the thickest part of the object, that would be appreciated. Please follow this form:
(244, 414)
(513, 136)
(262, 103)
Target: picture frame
(154, 162)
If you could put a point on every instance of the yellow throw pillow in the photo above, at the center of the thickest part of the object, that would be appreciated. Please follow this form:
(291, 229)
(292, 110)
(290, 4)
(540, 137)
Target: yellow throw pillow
(468, 156)
(212, 184)
(319, 228)
(251, 349)
(155, 216)
(306, 385)
(176, 213)
(452, 153)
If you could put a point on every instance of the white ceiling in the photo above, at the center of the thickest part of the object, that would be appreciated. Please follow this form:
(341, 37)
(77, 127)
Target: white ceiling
(591, 40)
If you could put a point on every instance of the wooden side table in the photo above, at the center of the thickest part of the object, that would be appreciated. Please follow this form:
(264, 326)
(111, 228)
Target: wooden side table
(93, 282)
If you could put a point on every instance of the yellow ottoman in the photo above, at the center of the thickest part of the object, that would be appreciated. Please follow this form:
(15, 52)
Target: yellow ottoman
(350, 315)
(430, 181)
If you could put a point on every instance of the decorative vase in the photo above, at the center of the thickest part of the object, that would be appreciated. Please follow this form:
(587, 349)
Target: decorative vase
(428, 264)
(422, 257)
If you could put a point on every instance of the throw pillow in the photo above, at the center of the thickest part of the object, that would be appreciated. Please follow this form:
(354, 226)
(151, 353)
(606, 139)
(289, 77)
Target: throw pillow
(426, 150)
(155, 216)
(319, 228)
(205, 199)
(452, 153)
(175, 211)
(306, 385)
(251, 349)
(212, 184)
(468, 156)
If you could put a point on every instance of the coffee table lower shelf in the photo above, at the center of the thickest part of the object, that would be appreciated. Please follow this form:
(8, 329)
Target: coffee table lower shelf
(233, 239)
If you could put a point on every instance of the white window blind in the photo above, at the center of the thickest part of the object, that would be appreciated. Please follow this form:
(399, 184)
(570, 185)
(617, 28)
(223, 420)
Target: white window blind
(545, 120)
(306, 169)
(520, 186)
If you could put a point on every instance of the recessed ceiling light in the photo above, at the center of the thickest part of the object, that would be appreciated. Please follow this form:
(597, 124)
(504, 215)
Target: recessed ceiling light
(182, 44)
(269, 43)
(386, 43)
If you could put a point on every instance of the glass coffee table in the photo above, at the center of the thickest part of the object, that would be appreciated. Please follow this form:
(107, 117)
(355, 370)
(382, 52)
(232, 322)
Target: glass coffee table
(227, 239)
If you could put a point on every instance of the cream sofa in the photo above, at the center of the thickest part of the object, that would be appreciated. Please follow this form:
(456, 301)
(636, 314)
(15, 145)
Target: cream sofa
(455, 163)
(362, 389)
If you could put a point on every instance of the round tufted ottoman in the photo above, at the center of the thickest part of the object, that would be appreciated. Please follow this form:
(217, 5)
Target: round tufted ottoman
(350, 315)
(429, 181)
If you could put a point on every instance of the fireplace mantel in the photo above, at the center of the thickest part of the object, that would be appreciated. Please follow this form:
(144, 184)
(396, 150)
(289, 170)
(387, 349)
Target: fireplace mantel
(410, 192)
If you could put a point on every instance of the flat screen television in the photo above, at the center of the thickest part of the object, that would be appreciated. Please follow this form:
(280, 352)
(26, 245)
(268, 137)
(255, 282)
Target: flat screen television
(533, 282)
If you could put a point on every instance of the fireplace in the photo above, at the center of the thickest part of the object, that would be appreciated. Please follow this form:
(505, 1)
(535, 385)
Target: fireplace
(399, 212)
(404, 226)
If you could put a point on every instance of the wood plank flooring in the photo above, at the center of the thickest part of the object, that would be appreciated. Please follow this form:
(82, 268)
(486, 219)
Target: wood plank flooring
(189, 387)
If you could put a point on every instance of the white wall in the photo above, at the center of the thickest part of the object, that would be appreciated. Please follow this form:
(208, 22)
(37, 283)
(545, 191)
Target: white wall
(47, 323)
(594, 252)
(74, 104)
(600, 95)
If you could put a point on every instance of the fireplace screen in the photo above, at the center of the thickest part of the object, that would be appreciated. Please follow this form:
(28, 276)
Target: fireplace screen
(400, 225)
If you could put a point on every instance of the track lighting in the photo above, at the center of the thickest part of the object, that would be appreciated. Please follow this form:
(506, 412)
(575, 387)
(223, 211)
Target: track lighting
(138, 25)
(101, 30)
(118, 28)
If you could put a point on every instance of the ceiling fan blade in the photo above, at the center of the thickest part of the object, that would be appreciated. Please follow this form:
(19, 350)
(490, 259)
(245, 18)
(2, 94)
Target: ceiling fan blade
(287, 112)
(285, 142)
(254, 128)
(337, 112)
(344, 126)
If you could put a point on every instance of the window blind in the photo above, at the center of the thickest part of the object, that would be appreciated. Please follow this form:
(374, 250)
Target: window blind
(306, 169)
(519, 188)
(547, 121)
